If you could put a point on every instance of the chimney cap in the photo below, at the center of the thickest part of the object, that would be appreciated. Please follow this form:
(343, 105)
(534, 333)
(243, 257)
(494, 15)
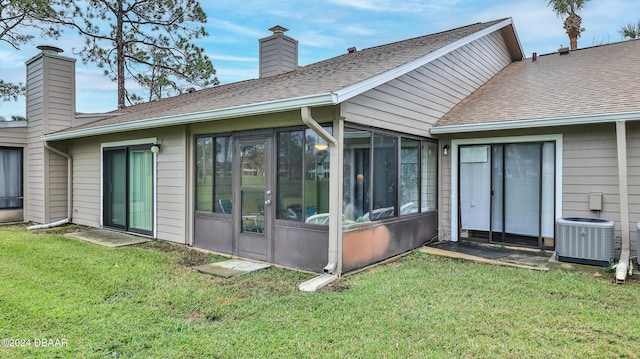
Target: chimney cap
(49, 49)
(278, 30)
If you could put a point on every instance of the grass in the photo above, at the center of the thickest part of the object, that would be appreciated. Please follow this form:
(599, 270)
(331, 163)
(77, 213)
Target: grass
(145, 301)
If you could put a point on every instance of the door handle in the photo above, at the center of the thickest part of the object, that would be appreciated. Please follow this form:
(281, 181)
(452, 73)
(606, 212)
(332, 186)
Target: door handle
(267, 202)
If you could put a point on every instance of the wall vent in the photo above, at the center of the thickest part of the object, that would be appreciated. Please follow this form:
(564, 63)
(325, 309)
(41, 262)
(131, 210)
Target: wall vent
(585, 241)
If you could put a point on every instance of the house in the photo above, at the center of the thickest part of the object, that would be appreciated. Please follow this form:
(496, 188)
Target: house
(554, 136)
(328, 167)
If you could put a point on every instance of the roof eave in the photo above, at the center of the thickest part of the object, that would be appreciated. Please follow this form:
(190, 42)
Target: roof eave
(536, 123)
(194, 117)
(13, 124)
(361, 87)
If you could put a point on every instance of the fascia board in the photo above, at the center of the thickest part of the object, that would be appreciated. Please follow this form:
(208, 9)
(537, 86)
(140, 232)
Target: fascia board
(541, 122)
(218, 114)
(361, 87)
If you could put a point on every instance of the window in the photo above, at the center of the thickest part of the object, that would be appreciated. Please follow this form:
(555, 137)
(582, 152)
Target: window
(223, 180)
(290, 175)
(303, 175)
(385, 176)
(204, 174)
(429, 194)
(357, 176)
(10, 178)
(396, 178)
(316, 199)
(409, 171)
(214, 177)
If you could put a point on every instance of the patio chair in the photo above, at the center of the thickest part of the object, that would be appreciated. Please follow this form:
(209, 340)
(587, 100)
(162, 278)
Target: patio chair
(225, 205)
(320, 218)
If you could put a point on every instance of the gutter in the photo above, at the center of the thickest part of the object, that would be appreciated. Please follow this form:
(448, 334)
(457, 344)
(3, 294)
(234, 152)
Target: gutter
(536, 123)
(194, 117)
(69, 191)
(332, 269)
(624, 264)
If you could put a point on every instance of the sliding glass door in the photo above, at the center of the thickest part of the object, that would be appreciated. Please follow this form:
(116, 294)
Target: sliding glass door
(10, 178)
(128, 189)
(507, 192)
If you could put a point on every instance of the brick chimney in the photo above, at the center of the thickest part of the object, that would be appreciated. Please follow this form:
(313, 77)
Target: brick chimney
(278, 53)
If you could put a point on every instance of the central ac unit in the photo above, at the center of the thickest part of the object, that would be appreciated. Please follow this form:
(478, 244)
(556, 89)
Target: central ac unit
(585, 241)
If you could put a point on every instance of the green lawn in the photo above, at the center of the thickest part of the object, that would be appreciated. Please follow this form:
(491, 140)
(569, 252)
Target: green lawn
(146, 301)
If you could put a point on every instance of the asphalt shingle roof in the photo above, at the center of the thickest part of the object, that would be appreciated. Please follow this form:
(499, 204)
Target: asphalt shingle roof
(596, 80)
(317, 78)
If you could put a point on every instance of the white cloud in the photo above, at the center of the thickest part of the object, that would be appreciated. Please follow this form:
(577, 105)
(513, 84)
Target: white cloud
(233, 58)
(394, 6)
(235, 29)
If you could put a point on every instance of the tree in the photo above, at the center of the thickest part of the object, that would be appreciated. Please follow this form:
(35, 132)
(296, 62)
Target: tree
(631, 31)
(16, 18)
(9, 91)
(573, 22)
(148, 41)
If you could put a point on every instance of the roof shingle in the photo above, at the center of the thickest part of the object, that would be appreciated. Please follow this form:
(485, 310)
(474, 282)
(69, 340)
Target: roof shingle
(317, 78)
(591, 81)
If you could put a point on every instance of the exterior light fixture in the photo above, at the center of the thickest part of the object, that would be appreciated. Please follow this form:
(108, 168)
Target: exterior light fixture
(320, 146)
(155, 149)
(445, 150)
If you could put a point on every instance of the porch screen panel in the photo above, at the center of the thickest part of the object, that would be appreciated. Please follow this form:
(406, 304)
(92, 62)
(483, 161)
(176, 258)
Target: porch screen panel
(475, 187)
(522, 188)
(141, 190)
(316, 184)
(385, 176)
(357, 176)
(223, 174)
(409, 176)
(204, 174)
(290, 176)
(429, 180)
(548, 189)
(10, 178)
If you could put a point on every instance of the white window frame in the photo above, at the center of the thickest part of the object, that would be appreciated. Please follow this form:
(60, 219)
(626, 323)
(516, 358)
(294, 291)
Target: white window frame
(140, 141)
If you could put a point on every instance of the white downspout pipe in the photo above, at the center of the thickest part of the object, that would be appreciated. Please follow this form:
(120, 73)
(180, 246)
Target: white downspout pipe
(622, 268)
(69, 193)
(333, 267)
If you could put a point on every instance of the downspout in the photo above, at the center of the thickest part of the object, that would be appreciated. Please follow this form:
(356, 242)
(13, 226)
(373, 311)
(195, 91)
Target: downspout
(623, 266)
(332, 269)
(69, 189)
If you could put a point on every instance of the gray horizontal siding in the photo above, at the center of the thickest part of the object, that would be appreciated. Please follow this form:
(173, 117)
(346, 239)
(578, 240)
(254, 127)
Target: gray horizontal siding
(171, 178)
(13, 137)
(171, 190)
(86, 182)
(60, 91)
(278, 54)
(34, 176)
(414, 102)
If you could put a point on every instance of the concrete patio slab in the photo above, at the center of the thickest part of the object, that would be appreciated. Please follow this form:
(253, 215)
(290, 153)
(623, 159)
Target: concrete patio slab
(491, 254)
(108, 238)
(230, 268)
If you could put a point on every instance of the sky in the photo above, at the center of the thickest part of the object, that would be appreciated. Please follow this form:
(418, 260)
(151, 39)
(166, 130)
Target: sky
(327, 28)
